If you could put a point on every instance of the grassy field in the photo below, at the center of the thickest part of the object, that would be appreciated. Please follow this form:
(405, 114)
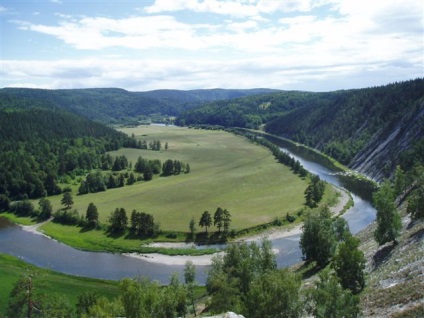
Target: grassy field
(226, 171)
(53, 283)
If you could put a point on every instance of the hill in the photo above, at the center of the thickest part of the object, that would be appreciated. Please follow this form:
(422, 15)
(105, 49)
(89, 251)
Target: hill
(112, 105)
(42, 147)
(371, 130)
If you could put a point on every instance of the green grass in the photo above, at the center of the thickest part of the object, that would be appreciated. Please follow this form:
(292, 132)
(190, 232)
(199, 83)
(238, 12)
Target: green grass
(23, 220)
(98, 241)
(53, 283)
(226, 171)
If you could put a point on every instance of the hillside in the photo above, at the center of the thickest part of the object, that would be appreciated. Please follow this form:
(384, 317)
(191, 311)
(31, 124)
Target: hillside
(111, 105)
(395, 273)
(371, 130)
(41, 148)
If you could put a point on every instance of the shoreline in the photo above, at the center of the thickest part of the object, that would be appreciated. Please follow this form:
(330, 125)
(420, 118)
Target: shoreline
(206, 260)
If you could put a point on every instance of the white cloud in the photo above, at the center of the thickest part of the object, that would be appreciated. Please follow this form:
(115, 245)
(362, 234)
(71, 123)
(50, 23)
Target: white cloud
(56, 1)
(245, 48)
(147, 74)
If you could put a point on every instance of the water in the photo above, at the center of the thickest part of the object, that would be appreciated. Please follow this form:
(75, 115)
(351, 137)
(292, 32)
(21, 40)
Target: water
(43, 252)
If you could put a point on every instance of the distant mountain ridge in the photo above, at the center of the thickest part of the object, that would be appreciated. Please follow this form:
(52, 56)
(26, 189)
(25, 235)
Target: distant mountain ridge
(109, 105)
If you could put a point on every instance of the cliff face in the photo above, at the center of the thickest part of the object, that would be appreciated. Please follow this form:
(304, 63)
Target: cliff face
(379, 157)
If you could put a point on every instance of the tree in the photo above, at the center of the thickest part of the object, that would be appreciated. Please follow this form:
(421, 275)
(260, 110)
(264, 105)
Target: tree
(226, 220)
(205, 221)
(190, 281)
(318, 240)
(349, 264)
(275, 294)
(329, 299)
(131, 179)
(192, 227)
(92, 215)
(187, 169)
(416, 200)
(218, 218)
(4, 203)
(388, 219)
(118, 221)
(148, 173)
(46, 208)
(67, 199)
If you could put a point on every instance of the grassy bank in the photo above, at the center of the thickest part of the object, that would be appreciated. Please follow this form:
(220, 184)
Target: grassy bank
(53, 283)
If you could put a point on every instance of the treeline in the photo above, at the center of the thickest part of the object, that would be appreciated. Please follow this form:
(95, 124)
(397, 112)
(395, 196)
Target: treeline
(248, 112)
(280, 155)
(97, 181)
(113, 105)
(48, 147)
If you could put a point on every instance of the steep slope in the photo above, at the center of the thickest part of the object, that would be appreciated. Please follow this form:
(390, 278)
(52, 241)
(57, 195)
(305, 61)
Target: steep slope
(366, 129)
(111, 104)
(395, 274)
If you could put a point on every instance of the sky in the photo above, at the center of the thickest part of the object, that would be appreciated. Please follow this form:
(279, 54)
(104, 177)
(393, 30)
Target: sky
(310, 45)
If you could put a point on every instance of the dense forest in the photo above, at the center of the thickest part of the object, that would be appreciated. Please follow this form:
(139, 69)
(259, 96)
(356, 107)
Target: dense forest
(48, 146)
(347, 125)
(113, 105)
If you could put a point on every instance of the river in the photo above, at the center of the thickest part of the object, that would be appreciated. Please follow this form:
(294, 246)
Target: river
(47, 253)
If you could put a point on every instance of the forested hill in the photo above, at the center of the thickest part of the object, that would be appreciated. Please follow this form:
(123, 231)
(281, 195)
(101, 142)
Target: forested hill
(40, 148)
(371, 130)
(111, 105)
(17, 125)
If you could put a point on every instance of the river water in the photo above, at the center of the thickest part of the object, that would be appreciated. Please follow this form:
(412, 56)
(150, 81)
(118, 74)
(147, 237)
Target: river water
(47, 253)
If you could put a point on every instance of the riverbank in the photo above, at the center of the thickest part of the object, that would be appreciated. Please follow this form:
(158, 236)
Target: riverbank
(271, 234)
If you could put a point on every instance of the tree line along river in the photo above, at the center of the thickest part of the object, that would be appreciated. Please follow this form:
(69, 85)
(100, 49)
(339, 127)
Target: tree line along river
(45, 252)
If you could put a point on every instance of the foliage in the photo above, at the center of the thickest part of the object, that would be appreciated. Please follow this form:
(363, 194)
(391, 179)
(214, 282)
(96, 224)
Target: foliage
(329, 299)
(118, 221)
(275, 294)
(230, 277)
(416, 201)
(318, 239)
(315, 191)
(67, 199)
(92, 215)
(48, 146)
(112, 105)
(45, 209)
(349, 264)
(388, 219)
(341, 123)
(143, 224)
(205, 221)
(27, 300)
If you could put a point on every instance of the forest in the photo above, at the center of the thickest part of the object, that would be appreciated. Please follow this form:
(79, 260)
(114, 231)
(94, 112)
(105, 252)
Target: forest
(346, 125)
(113, 105)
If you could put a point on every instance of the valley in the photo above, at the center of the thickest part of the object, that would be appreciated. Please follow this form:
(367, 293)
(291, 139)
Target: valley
(262, 191)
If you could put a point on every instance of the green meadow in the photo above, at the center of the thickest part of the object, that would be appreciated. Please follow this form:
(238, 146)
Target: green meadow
(227, 171)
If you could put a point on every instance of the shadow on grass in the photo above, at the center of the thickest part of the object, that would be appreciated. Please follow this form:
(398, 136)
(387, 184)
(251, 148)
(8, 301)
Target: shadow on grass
(308, 269)
(382, 255)
(416, 237)
(206, 239)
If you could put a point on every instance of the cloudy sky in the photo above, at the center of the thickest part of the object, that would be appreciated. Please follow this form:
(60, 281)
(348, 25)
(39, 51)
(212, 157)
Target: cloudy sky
(140, 45)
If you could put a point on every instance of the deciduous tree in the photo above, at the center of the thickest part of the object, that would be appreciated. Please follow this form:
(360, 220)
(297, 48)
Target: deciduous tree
(388, 219)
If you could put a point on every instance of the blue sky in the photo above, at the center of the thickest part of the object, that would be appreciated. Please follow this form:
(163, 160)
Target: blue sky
(314, 45)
